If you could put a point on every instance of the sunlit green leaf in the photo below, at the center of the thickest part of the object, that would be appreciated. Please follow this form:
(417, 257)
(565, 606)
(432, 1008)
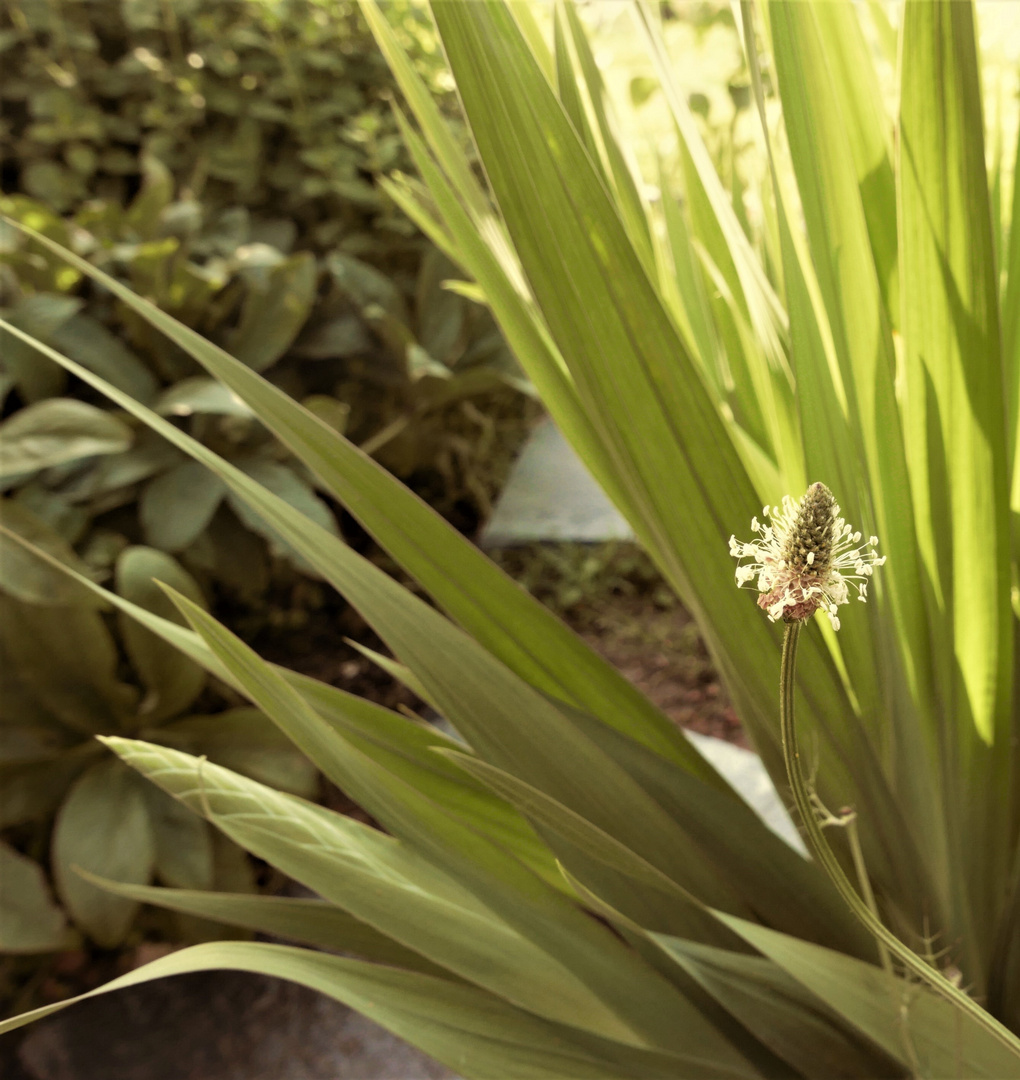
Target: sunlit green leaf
(957, 439)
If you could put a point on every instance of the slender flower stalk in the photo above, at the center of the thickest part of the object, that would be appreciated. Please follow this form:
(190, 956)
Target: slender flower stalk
(805, 561)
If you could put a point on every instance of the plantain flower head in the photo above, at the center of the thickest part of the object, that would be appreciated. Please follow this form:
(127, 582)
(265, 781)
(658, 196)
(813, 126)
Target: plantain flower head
(806, 559)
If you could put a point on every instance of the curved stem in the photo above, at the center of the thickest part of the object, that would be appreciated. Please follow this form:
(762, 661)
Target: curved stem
(826, 858)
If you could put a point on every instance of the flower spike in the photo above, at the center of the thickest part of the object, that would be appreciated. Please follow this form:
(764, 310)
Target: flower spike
(806, 558)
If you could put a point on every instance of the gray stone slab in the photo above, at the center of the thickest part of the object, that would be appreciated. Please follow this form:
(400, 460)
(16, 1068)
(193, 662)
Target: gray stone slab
(745, 771)
(550, 495)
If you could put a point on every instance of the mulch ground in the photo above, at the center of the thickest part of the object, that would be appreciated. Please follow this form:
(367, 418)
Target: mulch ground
(661, 652)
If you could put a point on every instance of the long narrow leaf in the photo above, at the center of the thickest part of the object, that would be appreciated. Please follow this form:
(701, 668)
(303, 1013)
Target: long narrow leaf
(789, 1019)
(467, 1029)
(869, 649)
(379, 881)
(631, 999)
(403, 747)
(957, 442)
(869, 131)
(908, 1021)
(309, 922)
(634, 376)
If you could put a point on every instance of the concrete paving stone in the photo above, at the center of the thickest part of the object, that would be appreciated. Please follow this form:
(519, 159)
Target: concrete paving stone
(745, 771)
(550, 495)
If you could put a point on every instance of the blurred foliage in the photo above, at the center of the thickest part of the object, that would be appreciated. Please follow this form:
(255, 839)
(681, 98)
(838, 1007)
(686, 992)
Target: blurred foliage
(219, 157)
(713, 79)
(70, 671)
(359, 354)
(279, 106)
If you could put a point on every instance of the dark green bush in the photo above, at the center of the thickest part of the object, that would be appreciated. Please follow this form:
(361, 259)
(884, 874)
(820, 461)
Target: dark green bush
(280, 107)
(220, 156)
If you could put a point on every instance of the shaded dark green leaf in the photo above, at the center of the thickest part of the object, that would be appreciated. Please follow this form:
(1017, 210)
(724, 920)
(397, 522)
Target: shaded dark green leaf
(29, 920)
(103, 827)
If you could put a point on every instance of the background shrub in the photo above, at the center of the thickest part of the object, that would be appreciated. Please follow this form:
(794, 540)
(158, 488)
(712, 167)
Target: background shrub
(280, 108)
(220, 156)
